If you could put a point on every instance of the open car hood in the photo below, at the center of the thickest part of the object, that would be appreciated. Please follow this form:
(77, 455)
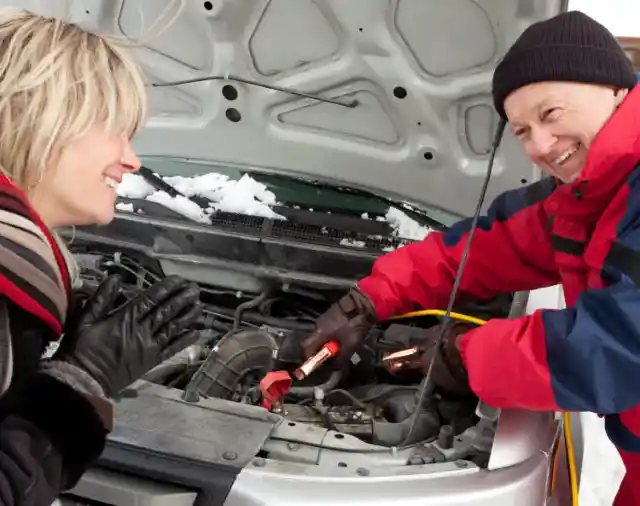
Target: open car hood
(419, 73)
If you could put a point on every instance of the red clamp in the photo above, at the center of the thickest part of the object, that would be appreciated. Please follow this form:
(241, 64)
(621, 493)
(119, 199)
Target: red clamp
(276, 384)
(328, 351)
(273, 388)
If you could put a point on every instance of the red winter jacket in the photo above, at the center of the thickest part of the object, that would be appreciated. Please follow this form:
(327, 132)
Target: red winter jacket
(585, 235)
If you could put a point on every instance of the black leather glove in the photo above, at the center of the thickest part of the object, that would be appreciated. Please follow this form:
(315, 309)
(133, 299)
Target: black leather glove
(118, 345)
(348, 321)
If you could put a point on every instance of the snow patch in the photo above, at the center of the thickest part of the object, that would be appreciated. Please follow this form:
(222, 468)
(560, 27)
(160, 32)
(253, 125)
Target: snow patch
(246, 196)
(405, 227)
(353, 243)
(121, 206)
(181, 205)
(243, 196)
(134, 187)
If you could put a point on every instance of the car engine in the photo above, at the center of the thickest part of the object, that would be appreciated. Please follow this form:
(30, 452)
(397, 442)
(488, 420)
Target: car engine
(250, 335)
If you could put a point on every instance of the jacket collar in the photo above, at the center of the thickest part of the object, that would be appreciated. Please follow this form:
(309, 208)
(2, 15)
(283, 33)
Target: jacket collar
(613, 155)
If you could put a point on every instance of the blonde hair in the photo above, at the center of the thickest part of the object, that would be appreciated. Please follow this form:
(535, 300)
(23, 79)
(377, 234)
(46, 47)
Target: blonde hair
(58, 80)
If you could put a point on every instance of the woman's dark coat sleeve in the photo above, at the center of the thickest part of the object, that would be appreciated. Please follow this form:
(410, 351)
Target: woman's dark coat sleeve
(49, 433)
(47, 440)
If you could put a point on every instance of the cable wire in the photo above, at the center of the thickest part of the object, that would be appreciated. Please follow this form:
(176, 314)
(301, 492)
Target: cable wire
(426, 383)
(571, 459)
(439, 312)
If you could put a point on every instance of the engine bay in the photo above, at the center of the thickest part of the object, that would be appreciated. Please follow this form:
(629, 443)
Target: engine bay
(252, 334)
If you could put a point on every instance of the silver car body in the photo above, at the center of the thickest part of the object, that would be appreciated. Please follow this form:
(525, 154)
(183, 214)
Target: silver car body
(387, 95)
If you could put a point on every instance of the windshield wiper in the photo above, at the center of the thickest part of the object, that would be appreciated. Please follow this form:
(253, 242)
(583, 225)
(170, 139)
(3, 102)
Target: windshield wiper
(161, 185)
(416, 213)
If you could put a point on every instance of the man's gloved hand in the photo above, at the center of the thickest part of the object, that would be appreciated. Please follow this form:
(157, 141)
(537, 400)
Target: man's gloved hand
(118, 345)
(449, 373)
(348, 321)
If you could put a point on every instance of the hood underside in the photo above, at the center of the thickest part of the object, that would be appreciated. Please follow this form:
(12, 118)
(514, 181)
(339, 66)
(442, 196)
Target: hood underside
(400, 89)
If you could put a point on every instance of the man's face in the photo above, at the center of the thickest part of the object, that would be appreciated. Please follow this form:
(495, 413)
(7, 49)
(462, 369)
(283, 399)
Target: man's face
(556, 122)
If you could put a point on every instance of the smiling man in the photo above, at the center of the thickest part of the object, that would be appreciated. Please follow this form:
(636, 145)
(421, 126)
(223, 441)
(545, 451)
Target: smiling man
(567, 91)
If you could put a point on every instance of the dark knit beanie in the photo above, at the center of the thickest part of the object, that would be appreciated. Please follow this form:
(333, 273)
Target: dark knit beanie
(568, 47)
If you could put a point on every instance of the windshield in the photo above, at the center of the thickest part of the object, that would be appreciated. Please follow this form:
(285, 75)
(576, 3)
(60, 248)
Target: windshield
(235, 190)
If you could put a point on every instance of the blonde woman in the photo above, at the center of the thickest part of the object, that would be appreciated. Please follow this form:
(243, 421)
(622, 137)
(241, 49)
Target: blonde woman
(70, 101)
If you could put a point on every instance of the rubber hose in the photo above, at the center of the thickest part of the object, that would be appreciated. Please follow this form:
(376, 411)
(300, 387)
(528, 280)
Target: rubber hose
(327, 386)
(250, 304)
(395, 434)
(236, 355)
(176, 363)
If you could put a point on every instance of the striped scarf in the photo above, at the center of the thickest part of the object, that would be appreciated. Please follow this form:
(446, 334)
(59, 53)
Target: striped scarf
(33, 272)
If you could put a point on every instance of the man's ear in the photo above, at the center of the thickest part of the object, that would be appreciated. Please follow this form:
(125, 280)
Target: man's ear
(620, 95)
(6, 349)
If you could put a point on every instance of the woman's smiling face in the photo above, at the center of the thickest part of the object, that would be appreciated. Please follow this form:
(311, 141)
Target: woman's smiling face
(556, 122)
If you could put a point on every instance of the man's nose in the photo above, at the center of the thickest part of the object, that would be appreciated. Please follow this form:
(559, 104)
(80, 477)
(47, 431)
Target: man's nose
(541, 141)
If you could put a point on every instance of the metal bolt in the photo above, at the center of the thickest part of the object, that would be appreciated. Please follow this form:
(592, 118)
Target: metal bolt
(363, 471)
(259, 462)
(461, 463)
(445, 437)
(229, 455)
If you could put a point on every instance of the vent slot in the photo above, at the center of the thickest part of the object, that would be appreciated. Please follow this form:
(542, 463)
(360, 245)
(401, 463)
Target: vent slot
(332, 236)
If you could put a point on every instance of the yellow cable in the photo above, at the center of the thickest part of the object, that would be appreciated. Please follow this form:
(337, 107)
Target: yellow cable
(439, 312)
(566, 420)
(571, 458)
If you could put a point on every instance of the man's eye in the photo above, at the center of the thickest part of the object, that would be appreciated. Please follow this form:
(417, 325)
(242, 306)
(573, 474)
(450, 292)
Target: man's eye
(550, 113)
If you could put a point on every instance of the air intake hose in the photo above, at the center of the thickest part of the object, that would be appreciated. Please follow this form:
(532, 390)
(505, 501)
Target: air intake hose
(235, 357)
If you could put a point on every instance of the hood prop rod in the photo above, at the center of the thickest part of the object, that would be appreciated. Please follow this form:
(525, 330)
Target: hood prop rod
(426, 387)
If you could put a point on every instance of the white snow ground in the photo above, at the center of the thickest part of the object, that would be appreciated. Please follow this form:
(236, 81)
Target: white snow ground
(602, 467)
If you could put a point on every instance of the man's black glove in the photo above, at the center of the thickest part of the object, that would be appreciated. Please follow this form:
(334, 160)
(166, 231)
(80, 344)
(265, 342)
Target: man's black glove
(348, 321)
(118, 345)
(449, 373)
